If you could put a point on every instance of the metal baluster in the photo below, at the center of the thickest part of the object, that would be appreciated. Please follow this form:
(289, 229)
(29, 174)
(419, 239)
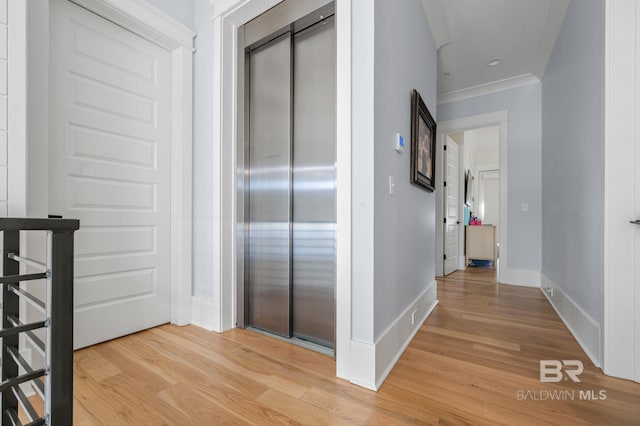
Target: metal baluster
(10, 307)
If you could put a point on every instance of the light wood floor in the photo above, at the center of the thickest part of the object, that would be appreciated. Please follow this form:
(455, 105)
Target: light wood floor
(466, 365)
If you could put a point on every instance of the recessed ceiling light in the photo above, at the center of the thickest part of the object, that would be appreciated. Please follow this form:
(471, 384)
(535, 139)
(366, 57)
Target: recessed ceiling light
(494, 62)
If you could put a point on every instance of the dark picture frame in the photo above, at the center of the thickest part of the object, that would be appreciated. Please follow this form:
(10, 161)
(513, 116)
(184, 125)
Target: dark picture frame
(423, 144)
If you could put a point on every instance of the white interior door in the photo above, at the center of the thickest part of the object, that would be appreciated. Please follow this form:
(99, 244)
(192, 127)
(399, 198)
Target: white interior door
(110, 121)
(636, 216)
(451, 206)
(621, 192)
(633, 190)
(636, 275)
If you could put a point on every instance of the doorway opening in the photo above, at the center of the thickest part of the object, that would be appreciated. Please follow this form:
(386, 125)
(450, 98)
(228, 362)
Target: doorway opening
(473, 195)
(480, 154)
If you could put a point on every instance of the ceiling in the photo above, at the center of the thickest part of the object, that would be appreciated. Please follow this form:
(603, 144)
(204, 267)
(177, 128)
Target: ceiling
(470, 33)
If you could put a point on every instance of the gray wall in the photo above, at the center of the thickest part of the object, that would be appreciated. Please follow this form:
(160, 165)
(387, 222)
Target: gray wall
(404, 227)
(203, 151)
(196, 14)
(182, 10)
(572, 158)
(523, 170)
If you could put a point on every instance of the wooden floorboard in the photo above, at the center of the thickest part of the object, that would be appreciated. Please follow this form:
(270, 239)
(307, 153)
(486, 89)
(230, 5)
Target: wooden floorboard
(477, 352)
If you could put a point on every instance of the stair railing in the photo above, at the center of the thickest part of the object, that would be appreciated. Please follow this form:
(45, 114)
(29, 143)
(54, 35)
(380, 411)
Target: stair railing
(54, 382)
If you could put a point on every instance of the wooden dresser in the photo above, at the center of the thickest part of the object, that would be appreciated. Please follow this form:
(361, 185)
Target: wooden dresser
(481, 243)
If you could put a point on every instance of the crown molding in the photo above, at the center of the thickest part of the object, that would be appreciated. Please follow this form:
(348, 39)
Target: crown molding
(488, 88)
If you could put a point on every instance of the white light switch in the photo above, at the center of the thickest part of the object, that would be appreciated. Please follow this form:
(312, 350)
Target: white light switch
(525, 207)
(392, 186)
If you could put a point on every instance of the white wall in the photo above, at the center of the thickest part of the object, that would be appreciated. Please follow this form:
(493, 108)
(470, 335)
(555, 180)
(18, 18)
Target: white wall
(572, 160)
(524, 170)
(489, 197)
(4, 60)
(362, 191)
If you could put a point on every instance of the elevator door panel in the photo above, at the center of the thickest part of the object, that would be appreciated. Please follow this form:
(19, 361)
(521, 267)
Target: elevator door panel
(269, 187)
(314, 189)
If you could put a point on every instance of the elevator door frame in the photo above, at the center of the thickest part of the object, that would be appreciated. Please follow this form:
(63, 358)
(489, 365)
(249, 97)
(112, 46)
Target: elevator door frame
(321, 10)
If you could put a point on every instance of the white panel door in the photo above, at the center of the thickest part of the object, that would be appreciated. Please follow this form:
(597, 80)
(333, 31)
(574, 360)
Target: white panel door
(109, 167)
(451, 206)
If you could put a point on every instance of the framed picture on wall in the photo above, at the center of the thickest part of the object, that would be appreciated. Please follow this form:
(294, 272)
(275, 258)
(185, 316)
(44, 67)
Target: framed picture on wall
(423, 144)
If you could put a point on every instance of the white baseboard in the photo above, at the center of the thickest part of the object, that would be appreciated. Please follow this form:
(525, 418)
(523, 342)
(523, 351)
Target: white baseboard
(520, 277)
(584, 328)
(203, 314)
(363, 364)
(372, 362)
(396, 338)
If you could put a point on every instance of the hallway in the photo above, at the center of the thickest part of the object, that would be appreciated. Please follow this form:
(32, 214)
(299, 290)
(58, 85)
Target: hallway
(481, 348)
(466, 364)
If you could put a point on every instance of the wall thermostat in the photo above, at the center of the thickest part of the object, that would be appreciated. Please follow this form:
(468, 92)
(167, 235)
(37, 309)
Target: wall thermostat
(399, 142)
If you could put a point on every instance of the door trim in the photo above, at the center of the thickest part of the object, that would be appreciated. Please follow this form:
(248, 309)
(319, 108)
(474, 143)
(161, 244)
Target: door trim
(460, 197)
(228, 75)
(498, 118)
(31, 28)
(143, 19)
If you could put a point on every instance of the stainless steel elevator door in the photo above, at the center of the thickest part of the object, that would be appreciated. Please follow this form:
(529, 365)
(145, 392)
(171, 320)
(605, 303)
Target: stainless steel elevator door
(314, 183)
(269, 262)
(291, 205)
